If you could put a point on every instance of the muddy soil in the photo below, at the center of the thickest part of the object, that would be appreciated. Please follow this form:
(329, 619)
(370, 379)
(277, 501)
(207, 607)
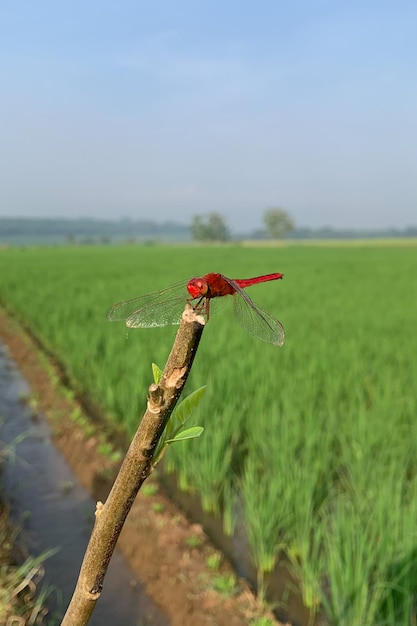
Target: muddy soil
(156, 537)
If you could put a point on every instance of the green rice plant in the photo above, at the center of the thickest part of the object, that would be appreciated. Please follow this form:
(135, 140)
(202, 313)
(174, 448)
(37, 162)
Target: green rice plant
(399, 599)
(308, 478)
(355, 567)
(370, 523)
(209, 464)
(266, 514)
(229, 508)
(262, 529)
(283, 488)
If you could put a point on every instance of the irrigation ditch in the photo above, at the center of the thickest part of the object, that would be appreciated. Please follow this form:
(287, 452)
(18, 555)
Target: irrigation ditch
(54, 510)
(166, 579)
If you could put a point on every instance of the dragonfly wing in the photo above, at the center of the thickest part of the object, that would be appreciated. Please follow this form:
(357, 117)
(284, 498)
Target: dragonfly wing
(157, 314)
(256, 320)
(159, 308)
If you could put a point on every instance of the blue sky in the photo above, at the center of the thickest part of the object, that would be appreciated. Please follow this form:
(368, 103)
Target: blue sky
(163, 110)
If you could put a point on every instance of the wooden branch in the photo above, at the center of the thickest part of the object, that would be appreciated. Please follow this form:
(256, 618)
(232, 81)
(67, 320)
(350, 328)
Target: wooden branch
(136, 467)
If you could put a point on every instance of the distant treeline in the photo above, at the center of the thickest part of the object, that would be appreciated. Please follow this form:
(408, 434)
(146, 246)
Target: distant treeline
(331, 233)
(87, 230)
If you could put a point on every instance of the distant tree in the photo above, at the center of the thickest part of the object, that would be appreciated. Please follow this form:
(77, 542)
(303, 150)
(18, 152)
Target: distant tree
(278, 222)
(209, 227)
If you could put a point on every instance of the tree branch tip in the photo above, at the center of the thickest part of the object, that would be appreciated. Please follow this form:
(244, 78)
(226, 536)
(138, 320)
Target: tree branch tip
(189, 315)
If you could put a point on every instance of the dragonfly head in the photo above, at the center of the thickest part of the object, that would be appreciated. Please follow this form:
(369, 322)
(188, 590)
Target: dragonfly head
(197, 287)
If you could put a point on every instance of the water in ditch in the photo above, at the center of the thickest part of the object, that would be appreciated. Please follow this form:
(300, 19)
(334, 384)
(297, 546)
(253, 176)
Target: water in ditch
(54, 511)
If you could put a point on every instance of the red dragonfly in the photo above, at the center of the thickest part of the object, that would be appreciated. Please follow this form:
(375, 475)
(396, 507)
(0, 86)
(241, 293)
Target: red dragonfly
(165, 307)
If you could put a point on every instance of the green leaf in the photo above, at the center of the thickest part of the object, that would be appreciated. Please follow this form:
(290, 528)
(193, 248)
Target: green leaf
(181, 414)
(187, 407)
(157, 373)
(189, 433)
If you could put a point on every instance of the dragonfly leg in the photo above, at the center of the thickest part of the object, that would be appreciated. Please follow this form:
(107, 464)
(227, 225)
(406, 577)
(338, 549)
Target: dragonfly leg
(201, 306)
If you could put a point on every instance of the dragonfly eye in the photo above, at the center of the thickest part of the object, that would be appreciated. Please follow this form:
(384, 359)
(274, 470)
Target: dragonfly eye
(197, 287)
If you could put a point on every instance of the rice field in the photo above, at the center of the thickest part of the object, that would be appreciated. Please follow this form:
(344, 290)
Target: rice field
(316, 442)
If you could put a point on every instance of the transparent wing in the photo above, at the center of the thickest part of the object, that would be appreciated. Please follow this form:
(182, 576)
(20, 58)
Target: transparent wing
(159, 308)
(256, 320)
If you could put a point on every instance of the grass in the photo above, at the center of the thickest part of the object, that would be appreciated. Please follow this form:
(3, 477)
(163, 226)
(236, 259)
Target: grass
(213, 561)
(262, 621)
(226, 584)
(194, 541)
(22, 598)
(315, 441)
